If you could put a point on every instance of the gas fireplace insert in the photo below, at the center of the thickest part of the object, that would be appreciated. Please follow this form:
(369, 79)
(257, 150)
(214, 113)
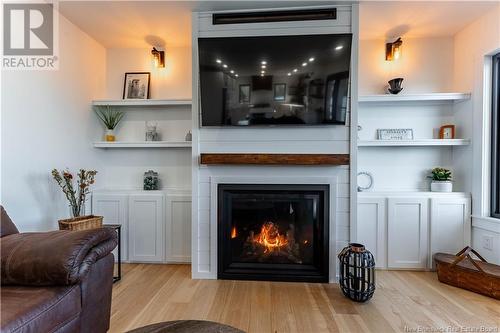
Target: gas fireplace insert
(273, 232)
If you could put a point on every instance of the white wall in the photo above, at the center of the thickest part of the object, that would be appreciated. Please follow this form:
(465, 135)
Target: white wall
(472, 46)
(47, 123)
(124, 168)
(173, 81)
(426, 64)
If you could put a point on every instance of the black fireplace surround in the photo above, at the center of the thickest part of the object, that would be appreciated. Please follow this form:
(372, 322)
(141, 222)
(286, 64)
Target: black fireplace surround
(273, 232)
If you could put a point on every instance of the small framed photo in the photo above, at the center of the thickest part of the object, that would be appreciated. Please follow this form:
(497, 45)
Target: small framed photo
(447, 132)
(395, 134)
(279, 91)
(136, 85)
(244, 93)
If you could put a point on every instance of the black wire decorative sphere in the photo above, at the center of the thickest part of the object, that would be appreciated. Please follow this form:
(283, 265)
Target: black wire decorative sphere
(357, 272)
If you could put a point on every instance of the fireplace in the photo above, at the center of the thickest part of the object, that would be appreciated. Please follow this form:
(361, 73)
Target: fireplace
(273, 232)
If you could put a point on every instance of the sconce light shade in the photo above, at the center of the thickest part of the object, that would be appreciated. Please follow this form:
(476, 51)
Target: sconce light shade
(393, 50)
(158, 57)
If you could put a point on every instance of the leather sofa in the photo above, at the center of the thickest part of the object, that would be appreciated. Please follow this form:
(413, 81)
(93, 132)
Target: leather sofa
(59, 281)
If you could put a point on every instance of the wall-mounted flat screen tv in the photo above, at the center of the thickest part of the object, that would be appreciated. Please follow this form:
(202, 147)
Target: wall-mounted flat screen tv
(275, 80)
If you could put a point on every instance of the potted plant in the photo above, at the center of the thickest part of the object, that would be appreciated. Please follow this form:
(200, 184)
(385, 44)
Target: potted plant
(441, 180)
(110, 119)
(76, 194)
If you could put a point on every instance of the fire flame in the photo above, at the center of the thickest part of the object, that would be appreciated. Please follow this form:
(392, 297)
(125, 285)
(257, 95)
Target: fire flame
(234, 234)
(270, 237)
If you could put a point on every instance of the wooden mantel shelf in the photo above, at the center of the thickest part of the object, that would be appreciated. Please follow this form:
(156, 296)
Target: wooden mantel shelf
(274, 159)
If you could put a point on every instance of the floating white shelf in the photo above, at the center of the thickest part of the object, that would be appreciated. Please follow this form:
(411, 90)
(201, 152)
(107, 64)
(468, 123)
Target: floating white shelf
(420, 142)
(437, 97)
(141, 102)
(143, 144)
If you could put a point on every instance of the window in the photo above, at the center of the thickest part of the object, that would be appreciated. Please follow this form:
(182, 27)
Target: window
(495, 138)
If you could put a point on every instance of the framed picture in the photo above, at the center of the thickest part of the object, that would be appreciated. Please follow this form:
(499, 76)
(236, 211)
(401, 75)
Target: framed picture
(447, 132)
(395, 134)
(279, 91)
(136, 85)
(244, 93)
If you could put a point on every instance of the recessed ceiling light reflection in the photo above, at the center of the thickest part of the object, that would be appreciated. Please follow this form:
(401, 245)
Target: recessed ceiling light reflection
(224, 65)
(263, 66)
(236, 75)
(340, 47)
(304, 64)
(231, 71)
(263, 72)
(311, 59)
(289, 74)
(263, 62)
(218, 61)
(295, 70)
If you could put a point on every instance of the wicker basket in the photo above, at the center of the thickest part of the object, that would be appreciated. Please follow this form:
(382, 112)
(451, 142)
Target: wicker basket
(462, 271)
(81, 223)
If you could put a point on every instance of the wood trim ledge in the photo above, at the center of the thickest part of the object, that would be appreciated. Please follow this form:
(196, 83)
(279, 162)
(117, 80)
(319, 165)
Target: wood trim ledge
(274, 159)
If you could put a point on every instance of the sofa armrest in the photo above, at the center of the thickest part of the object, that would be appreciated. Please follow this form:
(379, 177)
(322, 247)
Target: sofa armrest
(53, 258)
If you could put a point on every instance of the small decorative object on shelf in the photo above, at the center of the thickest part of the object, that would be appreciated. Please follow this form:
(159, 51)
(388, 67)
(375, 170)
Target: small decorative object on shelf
(395, 134)
(357, 272)
(395, 85)
(189, 136)
(76, 194)
(365, 181)
(441, 180)
(447, 132)
(151, 181)
(110, 119)
(151, 131)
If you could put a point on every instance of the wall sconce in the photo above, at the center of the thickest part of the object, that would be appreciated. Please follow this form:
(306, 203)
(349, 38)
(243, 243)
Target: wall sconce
(158, 57)
(393, 50)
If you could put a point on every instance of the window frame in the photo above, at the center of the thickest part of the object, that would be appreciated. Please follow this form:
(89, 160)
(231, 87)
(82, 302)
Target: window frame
(495, 138)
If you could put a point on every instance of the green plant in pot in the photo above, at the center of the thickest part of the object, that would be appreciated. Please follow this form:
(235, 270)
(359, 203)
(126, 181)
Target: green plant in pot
(110, 119)
(441, 180)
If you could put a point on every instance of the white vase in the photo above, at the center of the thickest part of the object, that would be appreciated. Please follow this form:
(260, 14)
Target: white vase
(441, 186)
(109, 135)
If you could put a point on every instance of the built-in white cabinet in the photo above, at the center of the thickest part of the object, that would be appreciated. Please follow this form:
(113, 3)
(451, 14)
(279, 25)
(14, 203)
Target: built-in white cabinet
(407, 223)
(156, 225)
(146, 222)
(114, 208)
(178, 228)
(452, 230)
(372, 233)
(404, 230)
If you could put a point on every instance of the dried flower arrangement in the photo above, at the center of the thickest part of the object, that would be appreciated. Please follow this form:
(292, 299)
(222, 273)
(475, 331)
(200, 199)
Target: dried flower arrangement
(75, 196)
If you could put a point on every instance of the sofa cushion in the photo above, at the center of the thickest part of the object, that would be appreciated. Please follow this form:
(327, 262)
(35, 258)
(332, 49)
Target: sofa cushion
(30, 309)
(7, 227)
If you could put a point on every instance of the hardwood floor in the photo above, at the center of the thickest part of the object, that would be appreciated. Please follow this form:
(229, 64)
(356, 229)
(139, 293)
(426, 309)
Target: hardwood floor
(403, 302)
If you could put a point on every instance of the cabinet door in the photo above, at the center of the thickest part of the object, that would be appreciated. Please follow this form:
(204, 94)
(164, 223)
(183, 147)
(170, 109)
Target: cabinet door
(146, 220)
(407, 228)
(178, 228)
(450, 225)
(113, 207)
(371, 228)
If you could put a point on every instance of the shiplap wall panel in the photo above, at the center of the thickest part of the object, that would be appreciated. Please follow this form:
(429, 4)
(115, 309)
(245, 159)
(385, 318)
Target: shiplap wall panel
(313, 139)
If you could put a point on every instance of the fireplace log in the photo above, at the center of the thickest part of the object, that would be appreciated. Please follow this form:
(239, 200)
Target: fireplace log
(275, 159)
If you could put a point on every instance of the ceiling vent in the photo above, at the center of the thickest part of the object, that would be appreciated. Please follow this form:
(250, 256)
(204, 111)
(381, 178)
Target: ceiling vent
(275, 16)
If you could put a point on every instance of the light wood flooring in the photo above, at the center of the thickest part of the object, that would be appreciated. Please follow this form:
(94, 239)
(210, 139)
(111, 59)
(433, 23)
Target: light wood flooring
(403, 302)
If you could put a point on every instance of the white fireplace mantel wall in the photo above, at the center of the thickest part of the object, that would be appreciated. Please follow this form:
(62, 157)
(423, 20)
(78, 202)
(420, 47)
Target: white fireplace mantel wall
(337, 139)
